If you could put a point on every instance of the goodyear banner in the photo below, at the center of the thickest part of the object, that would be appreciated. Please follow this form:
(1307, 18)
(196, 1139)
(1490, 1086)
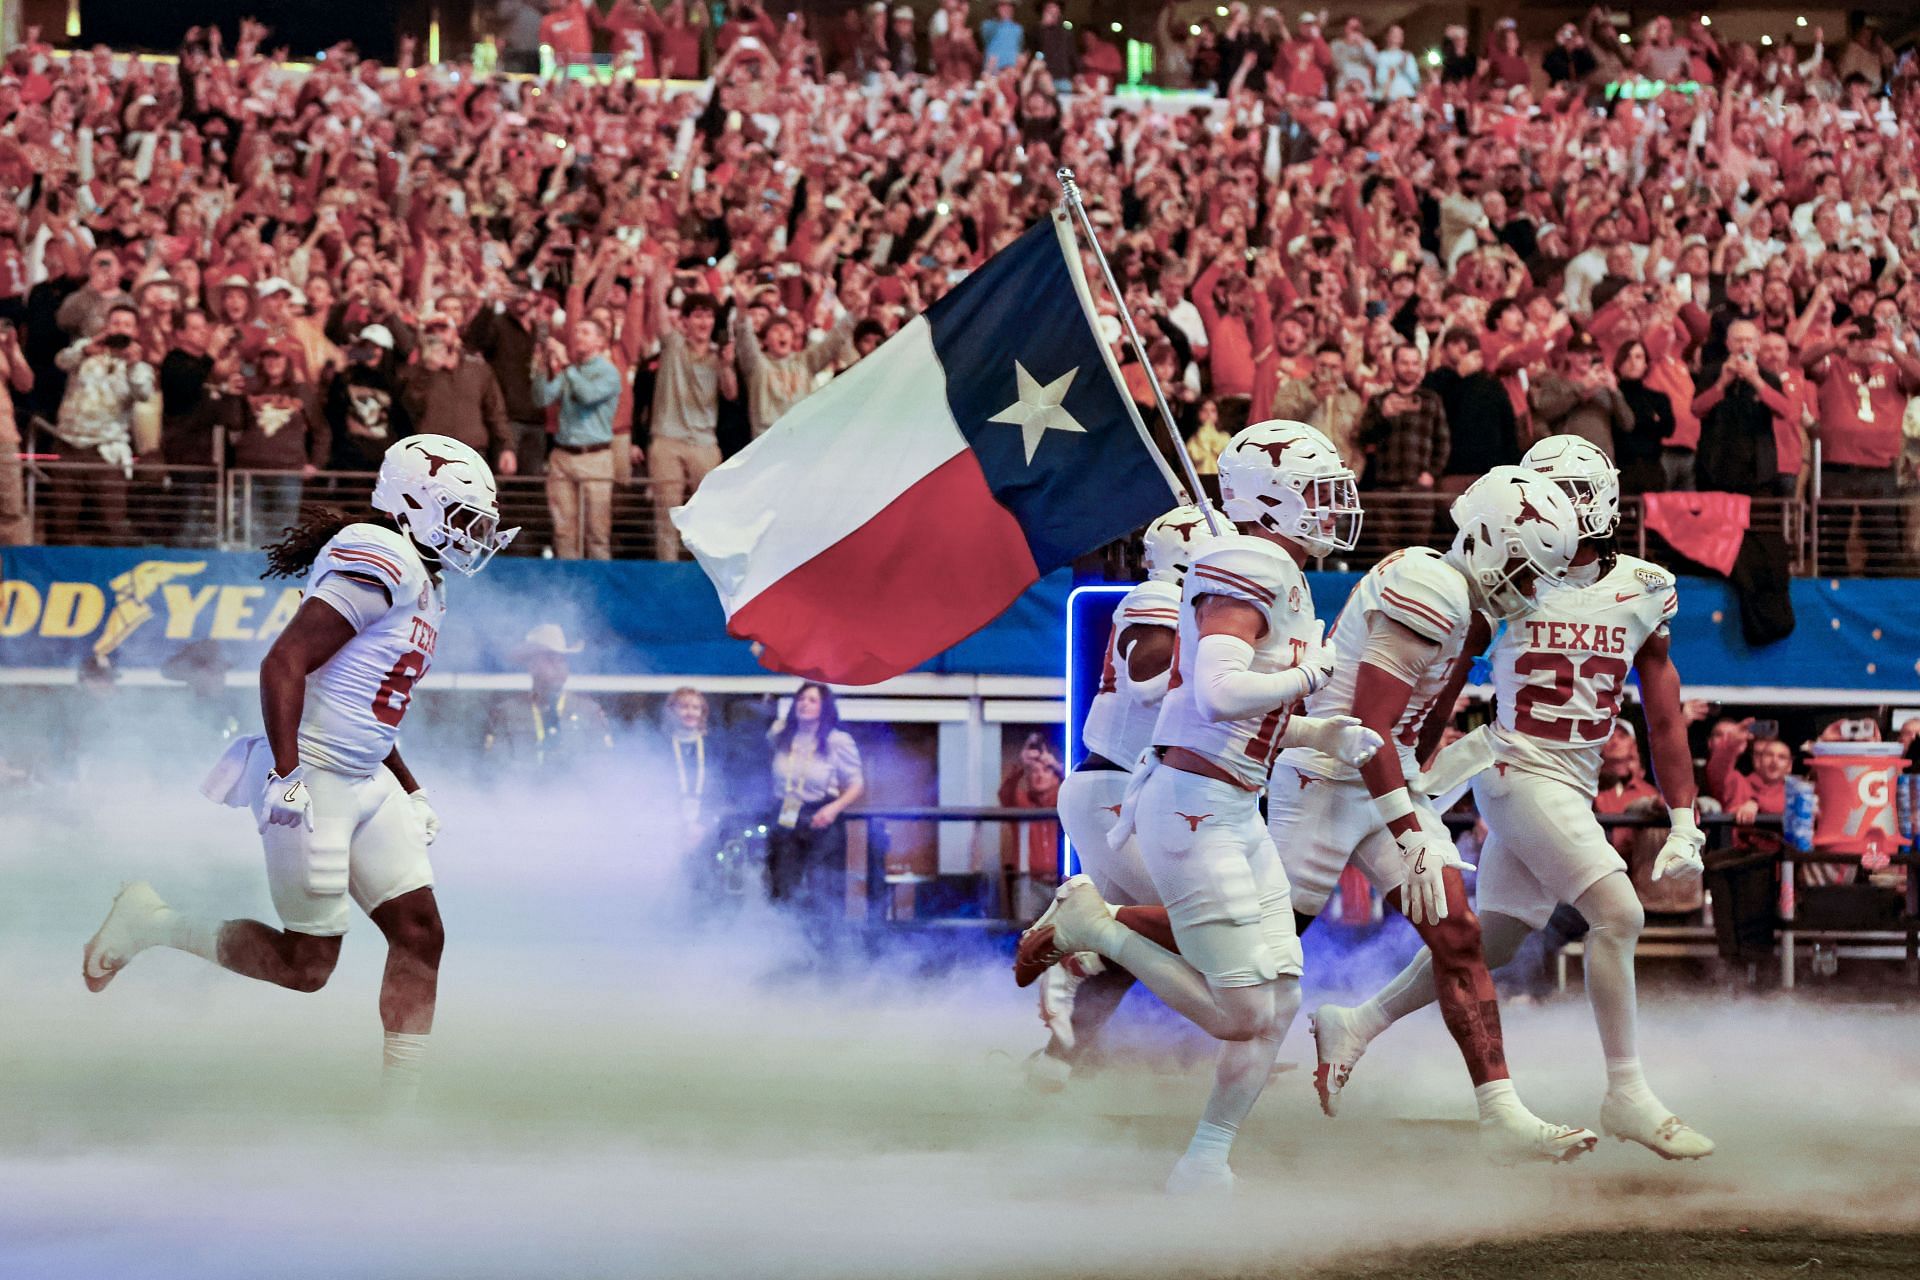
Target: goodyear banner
(140, 605)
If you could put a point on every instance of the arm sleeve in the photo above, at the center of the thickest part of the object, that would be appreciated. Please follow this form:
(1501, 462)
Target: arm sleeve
(1225, 686)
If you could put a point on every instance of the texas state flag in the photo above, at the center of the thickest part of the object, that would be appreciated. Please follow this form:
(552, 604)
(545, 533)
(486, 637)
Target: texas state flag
(907, 503)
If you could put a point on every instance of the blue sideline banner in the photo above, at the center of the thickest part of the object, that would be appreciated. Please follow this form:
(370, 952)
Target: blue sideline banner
(1855, 635)
(140, 605)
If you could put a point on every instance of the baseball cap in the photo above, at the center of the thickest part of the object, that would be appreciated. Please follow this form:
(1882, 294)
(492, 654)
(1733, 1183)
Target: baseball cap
(379, 335)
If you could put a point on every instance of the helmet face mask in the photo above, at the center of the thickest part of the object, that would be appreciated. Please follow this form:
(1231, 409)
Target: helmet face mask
(442, 494)
(1586, 475)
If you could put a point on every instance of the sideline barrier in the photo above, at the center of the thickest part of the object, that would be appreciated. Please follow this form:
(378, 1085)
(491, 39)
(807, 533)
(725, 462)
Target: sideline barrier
(1011, 885)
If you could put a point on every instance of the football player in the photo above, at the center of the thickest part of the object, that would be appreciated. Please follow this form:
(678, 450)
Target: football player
(1118, 728)
(1559, 674)
(1400, 646)
(1247, 651)
(339, 813)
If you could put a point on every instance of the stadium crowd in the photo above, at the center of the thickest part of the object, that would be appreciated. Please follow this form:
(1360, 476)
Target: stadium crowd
(1700, 255)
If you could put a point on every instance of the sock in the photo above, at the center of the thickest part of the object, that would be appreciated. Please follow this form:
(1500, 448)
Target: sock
(1370, 1019)
(186, 933)
(401, 1063)
(1497, 1101)
(1626, 1081)
(1211, 1143)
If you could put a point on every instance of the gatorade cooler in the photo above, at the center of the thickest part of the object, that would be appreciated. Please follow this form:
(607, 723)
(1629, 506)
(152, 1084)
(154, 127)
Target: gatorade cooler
(1859, 810)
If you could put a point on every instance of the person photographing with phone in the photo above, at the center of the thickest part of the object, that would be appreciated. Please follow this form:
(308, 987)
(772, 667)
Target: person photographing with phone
(106, 379)
(1735, 401)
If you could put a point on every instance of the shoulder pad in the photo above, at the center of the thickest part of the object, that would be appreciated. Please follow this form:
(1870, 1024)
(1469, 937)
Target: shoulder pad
(374, 552)
(1151, 604)
(1249, 569)
(1425, 594)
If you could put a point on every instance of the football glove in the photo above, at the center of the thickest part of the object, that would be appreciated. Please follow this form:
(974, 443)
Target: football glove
(287, 801)
(1342, 737)
(1680, 855)
(423, 809)
(1424, 895)
(1316, 664)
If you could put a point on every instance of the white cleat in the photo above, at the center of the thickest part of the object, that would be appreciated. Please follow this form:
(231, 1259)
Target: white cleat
(131, 927)
(1654, 1127)
(1524, 1138)
(1046, 1073)
(1076, 916)
(1192, 1178)
(1039, 950)
(1338, 1047)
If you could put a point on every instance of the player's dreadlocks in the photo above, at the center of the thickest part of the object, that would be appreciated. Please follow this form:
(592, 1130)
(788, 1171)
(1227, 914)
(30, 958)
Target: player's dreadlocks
(1607, 549)
(292, 556)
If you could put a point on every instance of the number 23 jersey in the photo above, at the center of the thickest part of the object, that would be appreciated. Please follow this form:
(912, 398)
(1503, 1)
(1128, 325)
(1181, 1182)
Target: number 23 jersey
(1560, 671)
(356, 699)
(1256, 572)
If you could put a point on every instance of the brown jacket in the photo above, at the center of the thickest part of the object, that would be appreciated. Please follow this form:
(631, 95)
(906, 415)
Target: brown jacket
(463, 402)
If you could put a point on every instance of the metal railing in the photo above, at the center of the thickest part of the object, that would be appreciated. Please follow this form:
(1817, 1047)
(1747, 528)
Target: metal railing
(258, 503)
(92, 504)
(87, 504)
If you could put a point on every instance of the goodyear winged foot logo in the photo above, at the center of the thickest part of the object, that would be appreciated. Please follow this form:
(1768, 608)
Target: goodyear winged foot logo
(105, 616)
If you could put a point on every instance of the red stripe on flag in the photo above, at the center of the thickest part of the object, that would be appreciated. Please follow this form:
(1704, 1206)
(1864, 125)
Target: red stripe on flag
(928, 570)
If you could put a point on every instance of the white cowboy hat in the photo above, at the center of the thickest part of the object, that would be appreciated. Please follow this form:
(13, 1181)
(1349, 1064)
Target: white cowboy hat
(545, 638)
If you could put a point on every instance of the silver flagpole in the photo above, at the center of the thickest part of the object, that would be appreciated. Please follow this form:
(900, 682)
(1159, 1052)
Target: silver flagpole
(1070, 192)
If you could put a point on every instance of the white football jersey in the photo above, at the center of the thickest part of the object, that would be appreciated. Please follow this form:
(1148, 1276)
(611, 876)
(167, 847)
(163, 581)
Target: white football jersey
(356, 699)
(1261, 574)
(1118, 727)
(1559, 672)
(1420, 590)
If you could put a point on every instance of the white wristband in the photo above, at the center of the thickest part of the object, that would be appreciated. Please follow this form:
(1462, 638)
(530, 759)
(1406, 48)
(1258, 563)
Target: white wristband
(1394, 805)
(1683, 823)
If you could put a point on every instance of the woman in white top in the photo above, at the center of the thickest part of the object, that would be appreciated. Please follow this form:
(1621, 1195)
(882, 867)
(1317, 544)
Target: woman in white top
(816, 777)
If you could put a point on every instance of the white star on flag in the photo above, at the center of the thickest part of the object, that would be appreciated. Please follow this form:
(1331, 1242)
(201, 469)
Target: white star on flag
(1039, 409)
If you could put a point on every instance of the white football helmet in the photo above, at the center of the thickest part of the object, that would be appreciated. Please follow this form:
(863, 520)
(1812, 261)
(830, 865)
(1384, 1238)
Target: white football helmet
(1586, 474)
(441, 492)
(1288, 478)
(1175, 540)
(1517, 533)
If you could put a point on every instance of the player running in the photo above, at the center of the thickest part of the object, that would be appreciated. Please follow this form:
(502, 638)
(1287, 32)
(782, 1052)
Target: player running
(339, 813)
(1400, 650)
(1118, 728)
(1248, 650)
(1559, 674)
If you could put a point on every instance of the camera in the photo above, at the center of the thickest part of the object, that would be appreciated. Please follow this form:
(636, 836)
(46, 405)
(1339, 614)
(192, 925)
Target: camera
(116, 342)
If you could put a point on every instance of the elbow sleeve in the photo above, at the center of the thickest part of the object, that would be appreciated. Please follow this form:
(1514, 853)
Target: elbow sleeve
(1225, 686)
